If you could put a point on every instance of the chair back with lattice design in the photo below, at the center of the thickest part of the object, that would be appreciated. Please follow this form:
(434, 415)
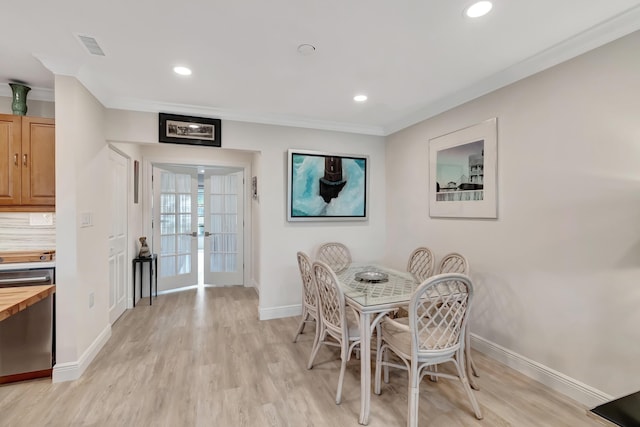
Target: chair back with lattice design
(454, 263)
(438, 312)
(421, 263)
(336, 255)
(309, 292)
(331, 300)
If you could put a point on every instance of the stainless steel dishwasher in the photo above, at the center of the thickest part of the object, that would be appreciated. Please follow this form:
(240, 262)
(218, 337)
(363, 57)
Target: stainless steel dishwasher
(27, 337)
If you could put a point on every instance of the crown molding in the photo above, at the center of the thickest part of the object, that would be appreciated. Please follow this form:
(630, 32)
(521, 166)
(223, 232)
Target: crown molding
(268, 119)
(618, 26)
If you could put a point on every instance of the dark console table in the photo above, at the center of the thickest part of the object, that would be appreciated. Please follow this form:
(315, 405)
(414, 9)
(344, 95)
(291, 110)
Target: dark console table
(153, 274)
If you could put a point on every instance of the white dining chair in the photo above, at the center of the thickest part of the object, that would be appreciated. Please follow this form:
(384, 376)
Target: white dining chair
(453, 263)
(338, 328)
(334, 254)
(456, 263)
(421, 263)
(309, 298)
(438, 313)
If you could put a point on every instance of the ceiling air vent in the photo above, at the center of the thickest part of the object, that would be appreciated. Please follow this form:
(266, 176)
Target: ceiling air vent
(91, 44)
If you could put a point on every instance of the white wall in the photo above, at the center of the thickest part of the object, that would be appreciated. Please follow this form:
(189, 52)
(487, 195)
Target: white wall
(557, 273)
(278, 277)
(82, 252)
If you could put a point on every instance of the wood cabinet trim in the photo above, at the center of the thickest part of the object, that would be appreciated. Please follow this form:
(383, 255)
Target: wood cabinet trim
(30, 187)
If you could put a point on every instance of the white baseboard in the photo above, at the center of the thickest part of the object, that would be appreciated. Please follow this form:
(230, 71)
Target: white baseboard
(253, 284)
(279, 312)
(578, 391)
(70, 371)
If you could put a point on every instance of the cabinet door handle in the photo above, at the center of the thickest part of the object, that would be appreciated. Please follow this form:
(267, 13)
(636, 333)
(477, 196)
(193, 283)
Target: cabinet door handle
(15, 159)
(24, 159)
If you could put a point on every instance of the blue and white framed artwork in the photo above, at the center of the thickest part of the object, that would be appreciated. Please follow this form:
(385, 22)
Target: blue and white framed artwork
(326, 186)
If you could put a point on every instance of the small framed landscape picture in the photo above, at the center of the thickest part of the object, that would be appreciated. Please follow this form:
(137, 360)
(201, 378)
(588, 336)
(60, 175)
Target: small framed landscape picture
(326, 186)
(177, 129)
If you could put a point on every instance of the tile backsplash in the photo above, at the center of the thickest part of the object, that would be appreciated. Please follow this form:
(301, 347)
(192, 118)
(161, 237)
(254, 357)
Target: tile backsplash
(20, 231)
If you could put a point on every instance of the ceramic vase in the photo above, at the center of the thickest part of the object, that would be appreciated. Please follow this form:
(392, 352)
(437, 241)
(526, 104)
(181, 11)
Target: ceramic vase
(19, 104)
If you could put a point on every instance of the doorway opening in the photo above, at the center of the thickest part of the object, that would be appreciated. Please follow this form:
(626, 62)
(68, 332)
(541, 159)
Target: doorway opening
(198, 225)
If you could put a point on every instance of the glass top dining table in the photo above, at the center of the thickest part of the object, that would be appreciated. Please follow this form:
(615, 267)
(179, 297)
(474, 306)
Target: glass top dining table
(396, 289)
(373, 300)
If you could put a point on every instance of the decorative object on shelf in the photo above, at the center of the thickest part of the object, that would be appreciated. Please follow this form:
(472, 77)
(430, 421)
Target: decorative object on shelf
(326, 186)
(189, 130)
(19, 104)
(463, 169)
(144, 248)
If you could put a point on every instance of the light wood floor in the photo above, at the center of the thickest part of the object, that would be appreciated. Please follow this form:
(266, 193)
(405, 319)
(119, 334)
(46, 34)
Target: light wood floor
(202, 358)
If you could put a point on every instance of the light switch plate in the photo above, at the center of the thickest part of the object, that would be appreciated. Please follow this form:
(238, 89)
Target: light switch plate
(86, 219)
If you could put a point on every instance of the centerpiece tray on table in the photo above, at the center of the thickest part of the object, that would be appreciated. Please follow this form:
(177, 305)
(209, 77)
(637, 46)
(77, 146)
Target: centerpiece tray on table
(372, 276)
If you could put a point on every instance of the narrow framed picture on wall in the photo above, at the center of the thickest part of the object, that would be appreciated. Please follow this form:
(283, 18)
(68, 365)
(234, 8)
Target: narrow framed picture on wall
(463, 170)
(327, 186)
(136, 180)
(254, 187)
(177, 129)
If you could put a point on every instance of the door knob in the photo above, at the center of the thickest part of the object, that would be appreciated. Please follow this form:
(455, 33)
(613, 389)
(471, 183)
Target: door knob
(207, 234)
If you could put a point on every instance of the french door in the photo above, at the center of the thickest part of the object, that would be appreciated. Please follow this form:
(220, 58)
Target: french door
(176, 231)
(175, 227)
(223, 228)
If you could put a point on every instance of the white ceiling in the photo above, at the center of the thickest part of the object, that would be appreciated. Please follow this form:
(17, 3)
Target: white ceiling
(414, 59)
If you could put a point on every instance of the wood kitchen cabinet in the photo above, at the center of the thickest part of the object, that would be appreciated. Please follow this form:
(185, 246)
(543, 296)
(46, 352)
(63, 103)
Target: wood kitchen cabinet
(27, 164)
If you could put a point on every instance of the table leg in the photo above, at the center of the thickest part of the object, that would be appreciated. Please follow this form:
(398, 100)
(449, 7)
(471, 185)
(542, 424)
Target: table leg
(155, 274)
(150, 283)
(365, 367)
(468, 361)
(133, 283)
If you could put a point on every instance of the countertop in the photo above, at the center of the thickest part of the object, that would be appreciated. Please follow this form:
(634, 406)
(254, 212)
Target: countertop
(16, 299)
(23, 265)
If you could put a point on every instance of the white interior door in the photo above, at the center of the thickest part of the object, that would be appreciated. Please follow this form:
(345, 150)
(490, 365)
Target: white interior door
(118, 258)
(223, 228)
(175, 226)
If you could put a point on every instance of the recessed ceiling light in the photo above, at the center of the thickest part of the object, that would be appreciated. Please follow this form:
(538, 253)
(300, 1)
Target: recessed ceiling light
(478, 9)
(183, 71)
(360, 98)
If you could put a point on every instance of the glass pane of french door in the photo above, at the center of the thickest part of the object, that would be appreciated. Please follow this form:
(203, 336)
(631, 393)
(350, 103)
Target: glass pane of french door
(224, 224)
(175, 207)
